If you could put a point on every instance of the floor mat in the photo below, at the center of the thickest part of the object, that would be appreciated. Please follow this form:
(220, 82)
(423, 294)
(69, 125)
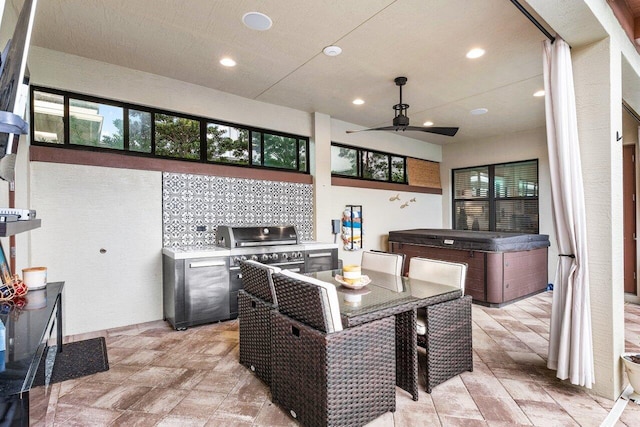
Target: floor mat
(76, 360)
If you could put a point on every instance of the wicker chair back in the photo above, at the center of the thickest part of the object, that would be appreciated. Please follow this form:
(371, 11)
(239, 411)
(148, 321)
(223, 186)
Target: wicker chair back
(307, 300)
(257, 280)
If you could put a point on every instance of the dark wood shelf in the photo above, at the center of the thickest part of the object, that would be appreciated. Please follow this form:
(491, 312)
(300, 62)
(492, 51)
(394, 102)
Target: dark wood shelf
(15, 227)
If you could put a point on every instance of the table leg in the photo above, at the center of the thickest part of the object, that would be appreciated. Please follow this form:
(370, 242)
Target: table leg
(59, 324)
(407, 353)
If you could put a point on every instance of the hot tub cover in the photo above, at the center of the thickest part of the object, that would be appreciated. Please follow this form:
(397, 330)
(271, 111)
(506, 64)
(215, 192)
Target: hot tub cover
(487, 241)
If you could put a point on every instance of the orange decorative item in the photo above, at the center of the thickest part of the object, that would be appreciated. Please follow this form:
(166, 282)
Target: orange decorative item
(20, 288)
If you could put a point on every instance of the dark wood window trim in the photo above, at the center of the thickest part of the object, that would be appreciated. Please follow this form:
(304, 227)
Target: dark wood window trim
(39, 153)
(382, 185)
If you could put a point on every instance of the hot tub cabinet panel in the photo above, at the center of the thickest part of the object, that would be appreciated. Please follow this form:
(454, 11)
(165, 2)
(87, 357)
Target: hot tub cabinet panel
(511, 267)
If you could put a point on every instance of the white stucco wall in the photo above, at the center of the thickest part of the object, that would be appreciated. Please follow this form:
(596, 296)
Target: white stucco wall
(101, 234)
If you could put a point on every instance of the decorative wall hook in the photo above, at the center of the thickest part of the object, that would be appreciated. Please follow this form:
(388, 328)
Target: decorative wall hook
(618, 136)
(404, 205)
(413, 200)
(394, 198)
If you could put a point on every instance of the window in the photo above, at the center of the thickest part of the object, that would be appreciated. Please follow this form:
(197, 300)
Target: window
(140, 131)
(375, 166)
(95, 124)
(344, 161)
(177, 137)
(280, 152)
(302, 150)
(256, 148)
(227, 144)
(367, 164)
(70, 120)
(48, 117)
(398, 169)
(501, 197)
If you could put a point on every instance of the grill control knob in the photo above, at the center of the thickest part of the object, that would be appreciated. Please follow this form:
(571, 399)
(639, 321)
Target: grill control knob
(264, 257)
(243, 258)
(274, 257)
(236, 260)
(299, 254)
(254, 257)
(285, 256)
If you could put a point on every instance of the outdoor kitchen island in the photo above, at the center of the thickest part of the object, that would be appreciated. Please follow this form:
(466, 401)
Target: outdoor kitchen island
(503, 267)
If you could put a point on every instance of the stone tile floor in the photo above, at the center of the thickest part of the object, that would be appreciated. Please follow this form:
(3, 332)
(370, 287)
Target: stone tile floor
(162, 377)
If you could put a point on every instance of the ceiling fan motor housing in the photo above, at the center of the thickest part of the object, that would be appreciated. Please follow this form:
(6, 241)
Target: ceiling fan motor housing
(401, 120)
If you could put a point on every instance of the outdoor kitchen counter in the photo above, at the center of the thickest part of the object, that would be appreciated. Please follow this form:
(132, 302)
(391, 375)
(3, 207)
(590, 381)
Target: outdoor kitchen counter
(312, 245)
(196, 252)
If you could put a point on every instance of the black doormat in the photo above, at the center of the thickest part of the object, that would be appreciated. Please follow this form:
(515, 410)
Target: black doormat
(76, 360)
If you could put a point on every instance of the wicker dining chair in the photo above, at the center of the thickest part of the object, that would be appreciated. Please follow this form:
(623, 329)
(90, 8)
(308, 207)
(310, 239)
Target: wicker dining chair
(255, 301)
(383, 262)
(444, 329)
(322, 374)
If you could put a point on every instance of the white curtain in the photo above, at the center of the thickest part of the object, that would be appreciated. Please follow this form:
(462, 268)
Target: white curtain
(570, 340)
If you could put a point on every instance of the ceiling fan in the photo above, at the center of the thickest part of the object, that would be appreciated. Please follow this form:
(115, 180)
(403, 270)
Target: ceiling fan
(401, 120)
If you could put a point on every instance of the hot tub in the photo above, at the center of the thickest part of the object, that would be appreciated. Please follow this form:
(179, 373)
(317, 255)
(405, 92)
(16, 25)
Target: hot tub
(503, 267)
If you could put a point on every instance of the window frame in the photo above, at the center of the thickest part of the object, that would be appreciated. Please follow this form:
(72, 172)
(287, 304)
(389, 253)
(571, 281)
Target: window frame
(203, 121)
(491, 197)
(359, 167)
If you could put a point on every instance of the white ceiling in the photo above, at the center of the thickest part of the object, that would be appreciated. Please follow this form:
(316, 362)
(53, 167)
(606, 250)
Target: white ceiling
(424, 40)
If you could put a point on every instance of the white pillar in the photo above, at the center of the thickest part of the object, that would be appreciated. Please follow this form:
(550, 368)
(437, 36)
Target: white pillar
(598, 86)
(321, 171)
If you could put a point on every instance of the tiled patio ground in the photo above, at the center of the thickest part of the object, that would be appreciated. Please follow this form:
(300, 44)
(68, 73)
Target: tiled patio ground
(162, 377)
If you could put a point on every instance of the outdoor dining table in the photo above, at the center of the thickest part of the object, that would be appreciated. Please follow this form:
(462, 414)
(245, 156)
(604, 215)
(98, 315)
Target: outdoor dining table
(388, 295)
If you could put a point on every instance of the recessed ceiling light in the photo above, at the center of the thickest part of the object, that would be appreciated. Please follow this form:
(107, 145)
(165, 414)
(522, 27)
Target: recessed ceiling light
(332, 50)
(228, 62)
(475, 53)
(358, 101)
(539, 93)
(479, 111)
(428, 123)
(257, 21)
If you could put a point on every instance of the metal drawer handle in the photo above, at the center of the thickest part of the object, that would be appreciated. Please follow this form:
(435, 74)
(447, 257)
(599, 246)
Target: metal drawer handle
(199, 264)
(321, 254)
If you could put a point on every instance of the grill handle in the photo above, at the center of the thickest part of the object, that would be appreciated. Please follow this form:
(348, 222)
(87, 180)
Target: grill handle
(200, 264)
(320, 255)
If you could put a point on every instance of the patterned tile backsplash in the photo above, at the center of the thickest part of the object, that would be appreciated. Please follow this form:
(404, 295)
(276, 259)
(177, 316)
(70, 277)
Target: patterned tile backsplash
(192, 201)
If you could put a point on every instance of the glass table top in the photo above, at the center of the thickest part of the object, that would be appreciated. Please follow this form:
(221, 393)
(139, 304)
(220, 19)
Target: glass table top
(384, 291)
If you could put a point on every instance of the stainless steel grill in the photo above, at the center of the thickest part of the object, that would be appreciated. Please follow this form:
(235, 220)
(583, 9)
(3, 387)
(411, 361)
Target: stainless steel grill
(273, 245)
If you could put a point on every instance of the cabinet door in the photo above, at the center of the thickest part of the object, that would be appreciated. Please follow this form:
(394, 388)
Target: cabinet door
(320, 260)
(525, 272)
(206, 293)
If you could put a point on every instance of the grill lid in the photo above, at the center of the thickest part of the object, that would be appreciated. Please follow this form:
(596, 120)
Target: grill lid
(237, 237)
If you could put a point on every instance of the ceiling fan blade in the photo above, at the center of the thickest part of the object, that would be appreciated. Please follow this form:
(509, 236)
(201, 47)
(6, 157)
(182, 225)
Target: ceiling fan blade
(380, 128)
(437, 130)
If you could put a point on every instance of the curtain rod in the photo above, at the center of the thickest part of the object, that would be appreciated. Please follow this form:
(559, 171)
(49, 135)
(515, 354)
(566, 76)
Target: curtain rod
(535, 22)
(631, 112)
